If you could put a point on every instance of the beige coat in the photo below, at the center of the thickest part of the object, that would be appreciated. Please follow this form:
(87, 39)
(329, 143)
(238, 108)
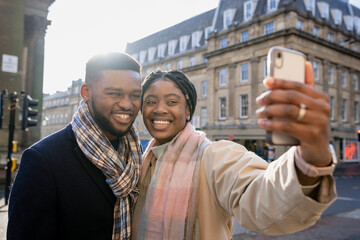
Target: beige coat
(266, 198)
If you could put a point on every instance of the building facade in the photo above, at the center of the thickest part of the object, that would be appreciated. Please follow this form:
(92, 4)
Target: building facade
(224, 53)
(59, 108)
(22, 30)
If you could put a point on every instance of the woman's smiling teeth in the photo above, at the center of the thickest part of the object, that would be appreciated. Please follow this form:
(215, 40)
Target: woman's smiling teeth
(161, 123)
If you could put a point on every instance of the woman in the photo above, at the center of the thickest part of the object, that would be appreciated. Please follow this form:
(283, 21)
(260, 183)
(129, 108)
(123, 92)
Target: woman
(191, 188)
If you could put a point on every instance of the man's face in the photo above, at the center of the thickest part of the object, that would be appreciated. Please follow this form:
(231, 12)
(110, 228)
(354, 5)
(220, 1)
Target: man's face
(114, 101)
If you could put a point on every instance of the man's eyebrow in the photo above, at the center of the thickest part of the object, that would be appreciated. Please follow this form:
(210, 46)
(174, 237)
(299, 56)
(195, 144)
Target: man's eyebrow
(119, 89)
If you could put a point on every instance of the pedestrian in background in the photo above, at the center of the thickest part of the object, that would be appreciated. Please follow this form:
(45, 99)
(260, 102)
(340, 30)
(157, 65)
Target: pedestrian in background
(191, 188)
(80, 183)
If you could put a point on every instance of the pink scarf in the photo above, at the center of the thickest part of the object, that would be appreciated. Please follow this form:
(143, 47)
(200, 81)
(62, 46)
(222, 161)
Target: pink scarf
(171, 199)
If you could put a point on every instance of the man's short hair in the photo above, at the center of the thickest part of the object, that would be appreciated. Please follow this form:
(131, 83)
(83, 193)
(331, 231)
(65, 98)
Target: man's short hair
(110, 61)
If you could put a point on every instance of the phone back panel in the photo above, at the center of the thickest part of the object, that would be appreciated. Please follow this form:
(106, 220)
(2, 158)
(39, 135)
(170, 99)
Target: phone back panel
(285, 64)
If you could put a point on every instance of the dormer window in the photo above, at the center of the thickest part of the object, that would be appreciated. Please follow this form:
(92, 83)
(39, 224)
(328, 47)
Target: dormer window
(208, 30)
(195, 39)
(349, 22)
(357, 25)
(161, 50)
(172, 47)
(310, 6)
(324, 9)
(184, 40)
(337, 15)
(151, 53)
(272, 5)
(248, 10)
(142, 56)
(228, 17)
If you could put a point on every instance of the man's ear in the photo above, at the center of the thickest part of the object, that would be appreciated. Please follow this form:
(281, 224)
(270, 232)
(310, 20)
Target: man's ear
(85, 91)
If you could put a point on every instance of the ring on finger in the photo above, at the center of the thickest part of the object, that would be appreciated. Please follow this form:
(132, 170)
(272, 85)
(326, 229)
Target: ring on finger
(302, 112)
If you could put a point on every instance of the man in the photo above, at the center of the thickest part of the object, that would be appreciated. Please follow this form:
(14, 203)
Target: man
(80, 183)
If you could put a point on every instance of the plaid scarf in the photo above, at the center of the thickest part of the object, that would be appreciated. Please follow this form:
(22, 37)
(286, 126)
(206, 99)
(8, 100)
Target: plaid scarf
(170, 207)
(121, 169)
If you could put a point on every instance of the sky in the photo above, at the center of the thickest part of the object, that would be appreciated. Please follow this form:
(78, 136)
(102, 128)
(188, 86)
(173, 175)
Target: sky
(82, 28)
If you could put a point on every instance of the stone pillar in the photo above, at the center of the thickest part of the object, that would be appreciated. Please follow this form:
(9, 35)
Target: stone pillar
(254, 86)
(232, 98)
(35, 27)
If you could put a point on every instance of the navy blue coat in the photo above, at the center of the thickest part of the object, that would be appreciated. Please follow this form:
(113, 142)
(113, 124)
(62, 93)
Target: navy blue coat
(59, 194)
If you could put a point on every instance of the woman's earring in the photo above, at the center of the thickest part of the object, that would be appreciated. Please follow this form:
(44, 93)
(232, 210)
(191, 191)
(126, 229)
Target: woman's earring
(187, 118)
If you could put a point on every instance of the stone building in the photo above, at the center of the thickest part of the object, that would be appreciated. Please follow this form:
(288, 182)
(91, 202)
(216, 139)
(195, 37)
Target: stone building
(59, 108)
(223, 52)
(22, 30)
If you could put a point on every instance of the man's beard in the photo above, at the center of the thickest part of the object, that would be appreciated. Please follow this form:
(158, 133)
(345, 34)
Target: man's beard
(106, 125)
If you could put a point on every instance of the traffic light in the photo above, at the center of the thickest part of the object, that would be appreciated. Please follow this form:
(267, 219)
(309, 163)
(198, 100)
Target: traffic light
(29, 112)
(358, 134)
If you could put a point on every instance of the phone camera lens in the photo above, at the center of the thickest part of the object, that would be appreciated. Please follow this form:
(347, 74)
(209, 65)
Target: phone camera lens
(279, 55)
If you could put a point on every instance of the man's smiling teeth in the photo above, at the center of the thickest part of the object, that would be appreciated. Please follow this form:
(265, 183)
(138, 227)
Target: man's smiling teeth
(122, 116)
(162, 123)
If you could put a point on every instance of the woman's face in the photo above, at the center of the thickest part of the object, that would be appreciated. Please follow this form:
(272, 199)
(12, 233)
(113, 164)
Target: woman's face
(164, 110)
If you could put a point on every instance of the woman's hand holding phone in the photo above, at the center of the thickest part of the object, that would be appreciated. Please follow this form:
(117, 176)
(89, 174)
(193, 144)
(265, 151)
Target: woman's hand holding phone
(299, 111)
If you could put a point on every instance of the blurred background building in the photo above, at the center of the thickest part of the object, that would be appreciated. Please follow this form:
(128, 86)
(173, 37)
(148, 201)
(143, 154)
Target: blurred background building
(22, 31)
(223, 52)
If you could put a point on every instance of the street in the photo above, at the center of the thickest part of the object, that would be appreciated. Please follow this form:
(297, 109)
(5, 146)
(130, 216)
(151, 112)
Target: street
(339, 222)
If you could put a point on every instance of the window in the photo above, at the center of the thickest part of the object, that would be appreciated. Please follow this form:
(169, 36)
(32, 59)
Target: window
(247, 11)
(357, 25)
(300, 25)
(272, 5)
(244, 106)
(142, 56)
(195, 39)
(203, 116)
(356, 111)
(330, 37)
(265, 68)
(222, 108)
(316, 71)
(315, 31)
(179, 64)
(223, 43)
(356, 82)
(332, 109)
(172, 47)
(244, 72)
(324, 10)
(192, 61)
(337, 16)
(269, 28)
(331, 75)
(151, 53)
(344, 110)
(168, 66)
(208, 30)
(228, 17)
(310, 6)
(222, 77)
(349, 22)
(161, 50)
(184, 40)
(204, 88)
(343, 78)
(205, 60)
(245, 36)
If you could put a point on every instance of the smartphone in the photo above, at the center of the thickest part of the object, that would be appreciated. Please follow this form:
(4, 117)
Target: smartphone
(289, 65)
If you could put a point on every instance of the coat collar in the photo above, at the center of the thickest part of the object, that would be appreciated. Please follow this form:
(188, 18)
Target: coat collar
(96, 175)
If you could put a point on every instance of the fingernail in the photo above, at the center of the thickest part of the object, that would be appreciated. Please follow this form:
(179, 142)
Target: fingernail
(268, 82)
